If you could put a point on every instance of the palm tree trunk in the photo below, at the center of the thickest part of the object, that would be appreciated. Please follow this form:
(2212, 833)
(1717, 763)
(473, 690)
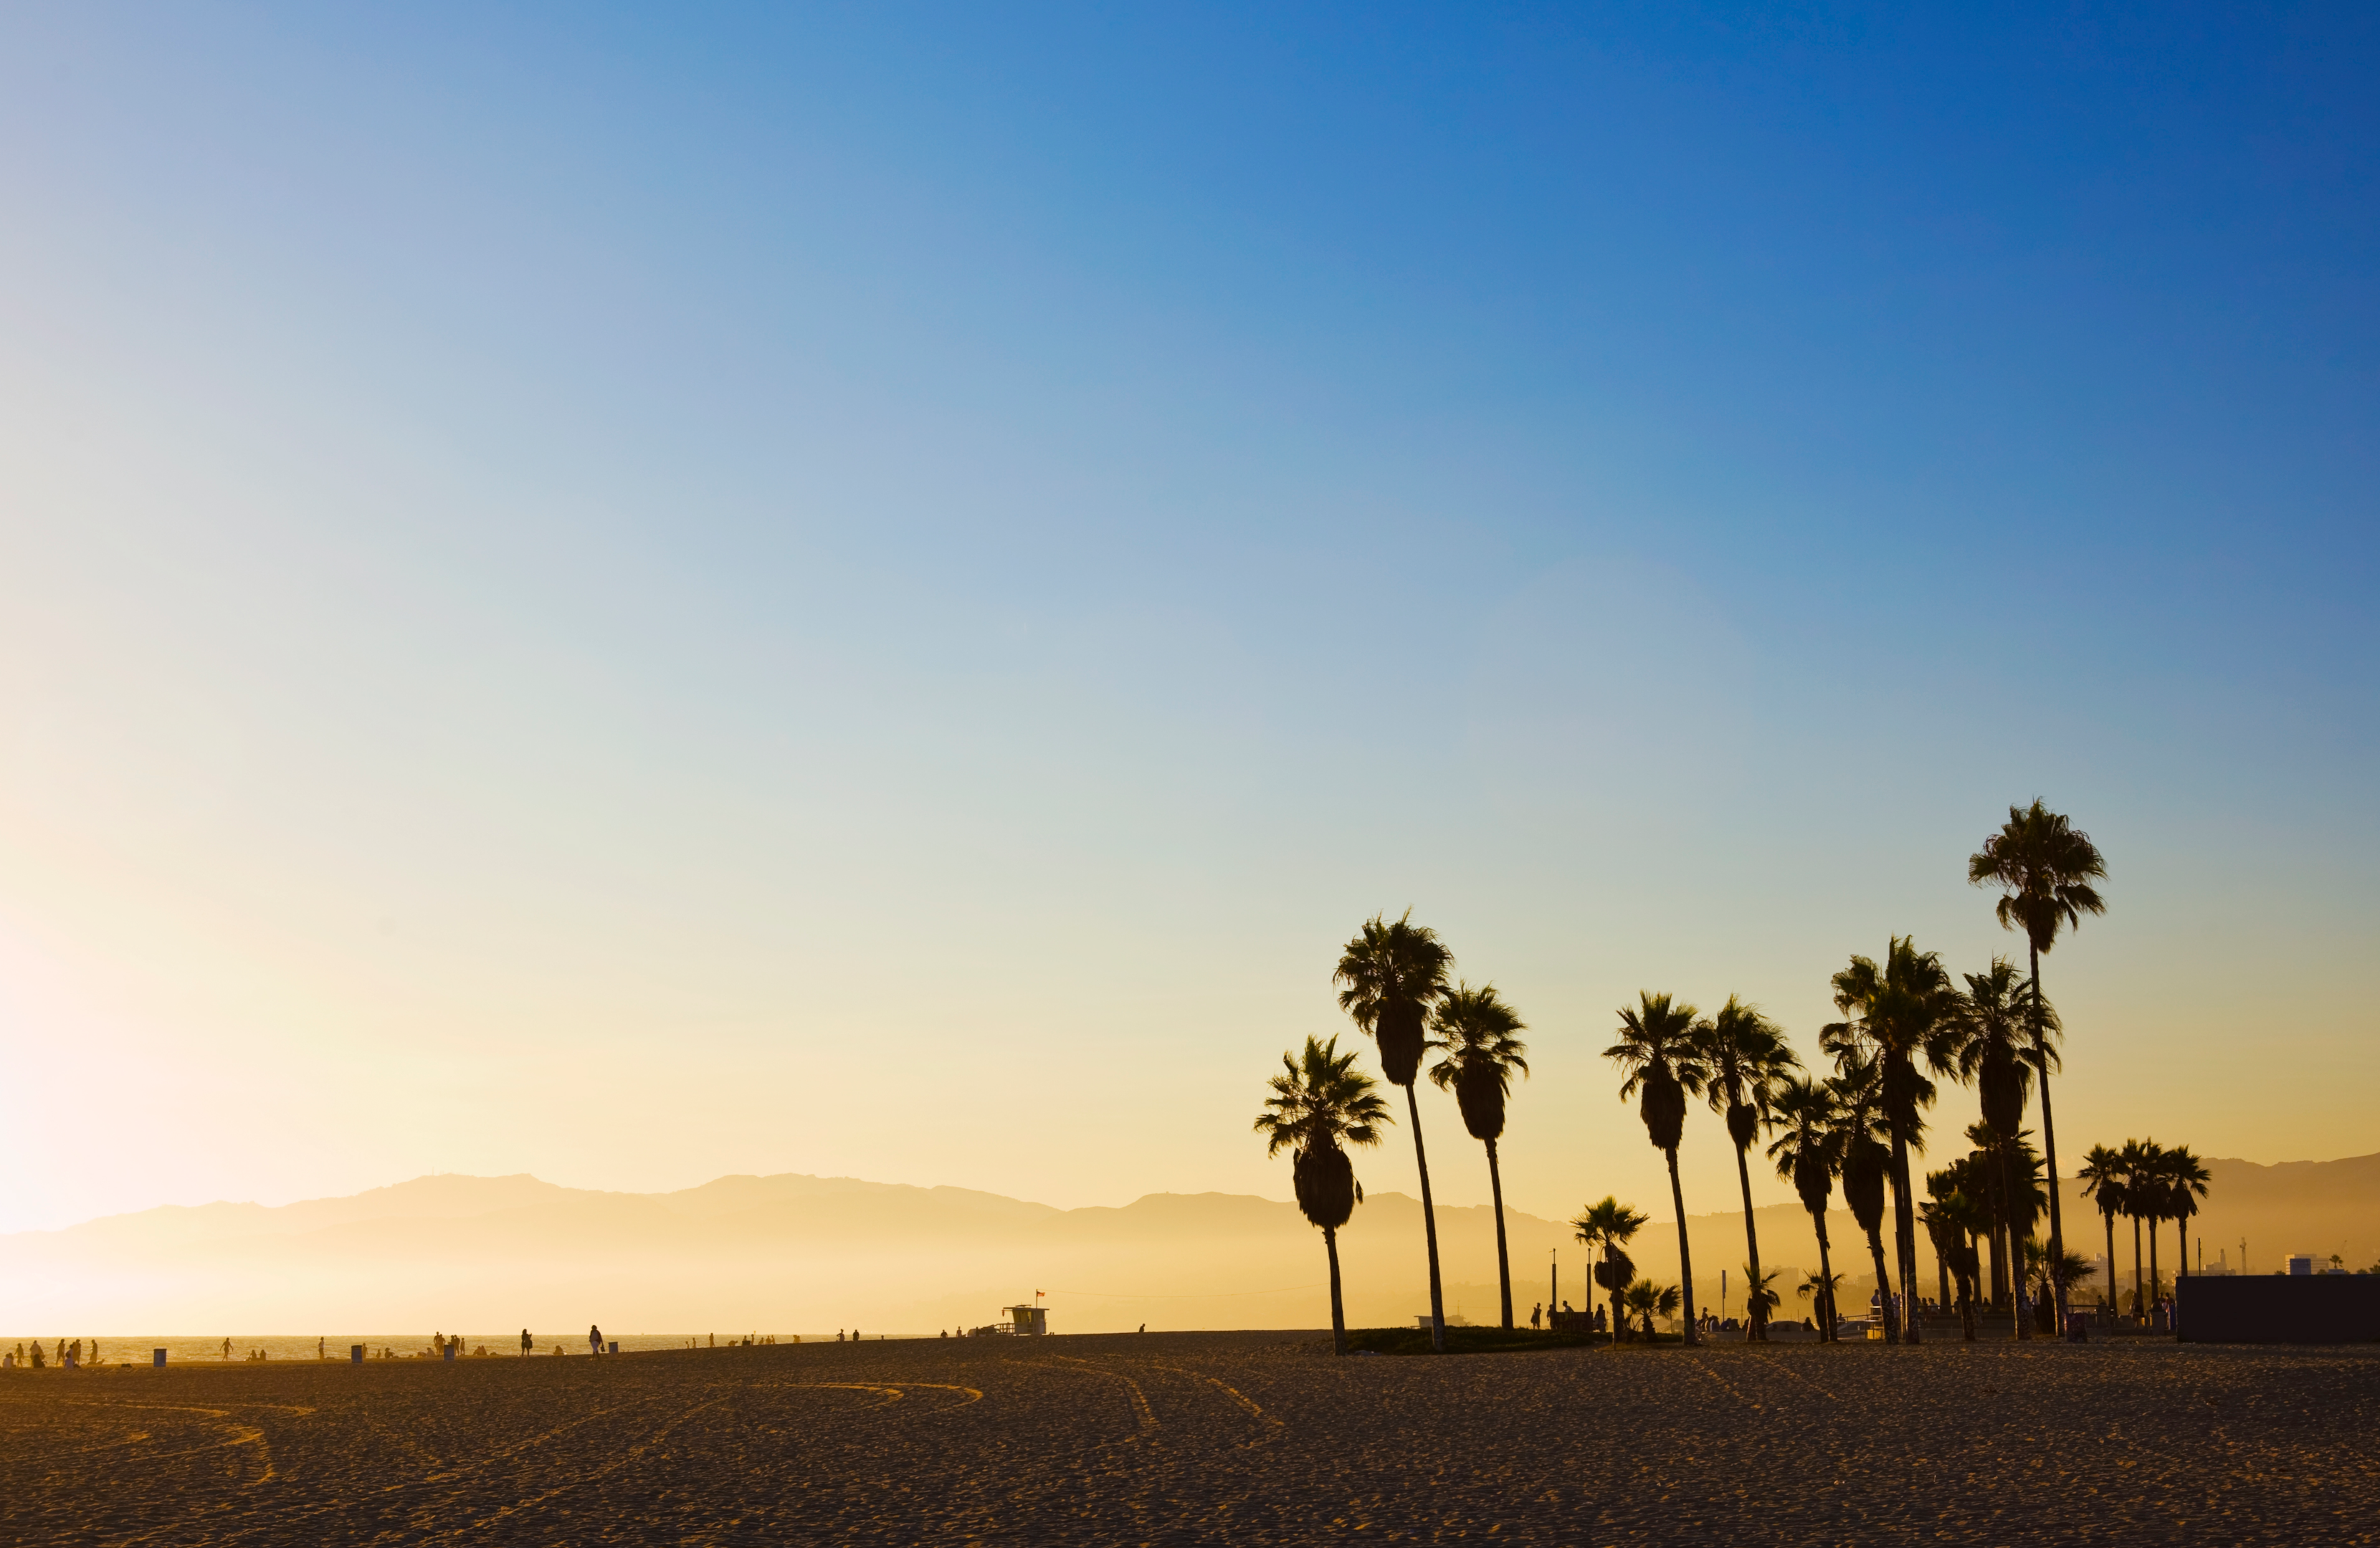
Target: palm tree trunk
(2154, 1286)
(1685, 1259)
(1884, 1289)
(1430, 1228)
(1503, 1261)
(2049, 1157)
(1338, 1307)
(1755, 1320)
(2138, 1304)
(1826, 1281)
(2111, 1259)
(1904, 1240)
(2016, 1245)
(1615, 1294)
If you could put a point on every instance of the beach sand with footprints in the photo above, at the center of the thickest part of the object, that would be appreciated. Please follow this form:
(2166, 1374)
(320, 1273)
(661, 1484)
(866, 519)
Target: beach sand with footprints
(1209, 1438)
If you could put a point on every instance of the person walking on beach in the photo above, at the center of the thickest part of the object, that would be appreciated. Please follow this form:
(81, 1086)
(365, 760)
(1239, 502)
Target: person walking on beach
(525, 1344)
(227, 1348)
(594, 1339)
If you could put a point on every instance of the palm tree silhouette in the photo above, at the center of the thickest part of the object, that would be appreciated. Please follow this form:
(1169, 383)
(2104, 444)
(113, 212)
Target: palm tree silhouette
(1808, 1153)
(1649, 1301)
(1474, 1029)
(2139, 1159)
(1660, 1047)
(1821, 1289)
(1864, 1160)
(2044, 866)
(2186, 1179)
(1390, 976)
(1607, 1228)
(1997, 1040)
(1747, 1057)
(2105, 1173)
(1897, 1016)
(1954, 1218)
(1320, 1104)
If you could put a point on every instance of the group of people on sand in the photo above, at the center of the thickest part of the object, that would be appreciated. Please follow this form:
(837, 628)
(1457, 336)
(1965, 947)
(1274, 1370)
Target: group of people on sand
(69, 1355)
(1541, 1314)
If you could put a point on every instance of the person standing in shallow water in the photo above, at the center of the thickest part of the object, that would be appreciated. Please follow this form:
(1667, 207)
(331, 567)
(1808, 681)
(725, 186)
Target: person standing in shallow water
(525, 1343)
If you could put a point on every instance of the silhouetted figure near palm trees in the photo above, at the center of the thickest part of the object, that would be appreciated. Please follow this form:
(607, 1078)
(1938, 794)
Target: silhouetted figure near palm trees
(1747, 1057)
(1390, 976)
(1660, 1049)
(1475, 1028)
(2044, 866)
(1320, 1104)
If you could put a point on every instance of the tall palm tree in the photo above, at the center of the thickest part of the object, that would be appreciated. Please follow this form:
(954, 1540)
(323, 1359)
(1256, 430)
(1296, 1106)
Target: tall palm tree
(1389, 977)
(1865, 1161)
(1996, 1040)
(1475, 1030)
(2044, 866)
(1899, 1016)
(2103, 1176)
(2186, 1178)
(1660, 1049)
(1747, 1057)
(1320, 1104)
(2139, 1159)
(1808, 1152)
(1607, 1228)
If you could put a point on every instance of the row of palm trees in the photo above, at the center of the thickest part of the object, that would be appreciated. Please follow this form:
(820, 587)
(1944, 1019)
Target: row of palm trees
(2148, 1184)
(1904, 1021)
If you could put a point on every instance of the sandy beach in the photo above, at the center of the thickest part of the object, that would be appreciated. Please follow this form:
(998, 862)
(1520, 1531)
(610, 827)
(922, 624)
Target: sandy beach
(1210, 1438)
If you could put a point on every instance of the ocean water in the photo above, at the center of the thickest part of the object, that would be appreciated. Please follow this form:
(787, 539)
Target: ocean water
(136, 1350)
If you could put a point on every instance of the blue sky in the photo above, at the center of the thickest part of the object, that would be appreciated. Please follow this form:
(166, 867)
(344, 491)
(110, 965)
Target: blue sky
(625, 594)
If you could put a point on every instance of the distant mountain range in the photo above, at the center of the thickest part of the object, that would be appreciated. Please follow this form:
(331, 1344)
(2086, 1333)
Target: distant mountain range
(808, 1254)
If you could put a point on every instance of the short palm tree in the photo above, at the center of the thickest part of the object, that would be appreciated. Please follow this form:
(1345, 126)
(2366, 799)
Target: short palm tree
(1747, 1059)
(2103, 1183)
(1607, 1228)
(1821, 1289)
(1807, 1153)
(2040, 1273)
(1320, 1104)
(1760, 1297)
(2044, 866)
(1475, 1030)
(1899, 1016)
(1953, 1219)
(1389, 977)
(1864, 1161)
(1660, 1049)
(1649, 1301)
(1997, 1041)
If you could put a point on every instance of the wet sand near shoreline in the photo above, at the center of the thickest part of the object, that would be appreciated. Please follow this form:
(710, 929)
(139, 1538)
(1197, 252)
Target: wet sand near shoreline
(1209, 1438)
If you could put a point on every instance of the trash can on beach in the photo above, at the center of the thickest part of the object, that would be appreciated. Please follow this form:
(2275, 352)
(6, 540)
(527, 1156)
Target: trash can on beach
(2078, 1328)
(157, 1357)
(355, 1354)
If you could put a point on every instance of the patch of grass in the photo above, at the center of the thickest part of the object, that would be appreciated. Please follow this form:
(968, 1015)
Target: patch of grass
(1463, 1340)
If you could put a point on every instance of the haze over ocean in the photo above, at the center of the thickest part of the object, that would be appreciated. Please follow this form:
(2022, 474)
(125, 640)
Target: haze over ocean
(643, 594)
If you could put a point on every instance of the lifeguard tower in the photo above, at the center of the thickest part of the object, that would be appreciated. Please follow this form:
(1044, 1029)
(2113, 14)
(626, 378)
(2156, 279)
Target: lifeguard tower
(1031, 1322)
